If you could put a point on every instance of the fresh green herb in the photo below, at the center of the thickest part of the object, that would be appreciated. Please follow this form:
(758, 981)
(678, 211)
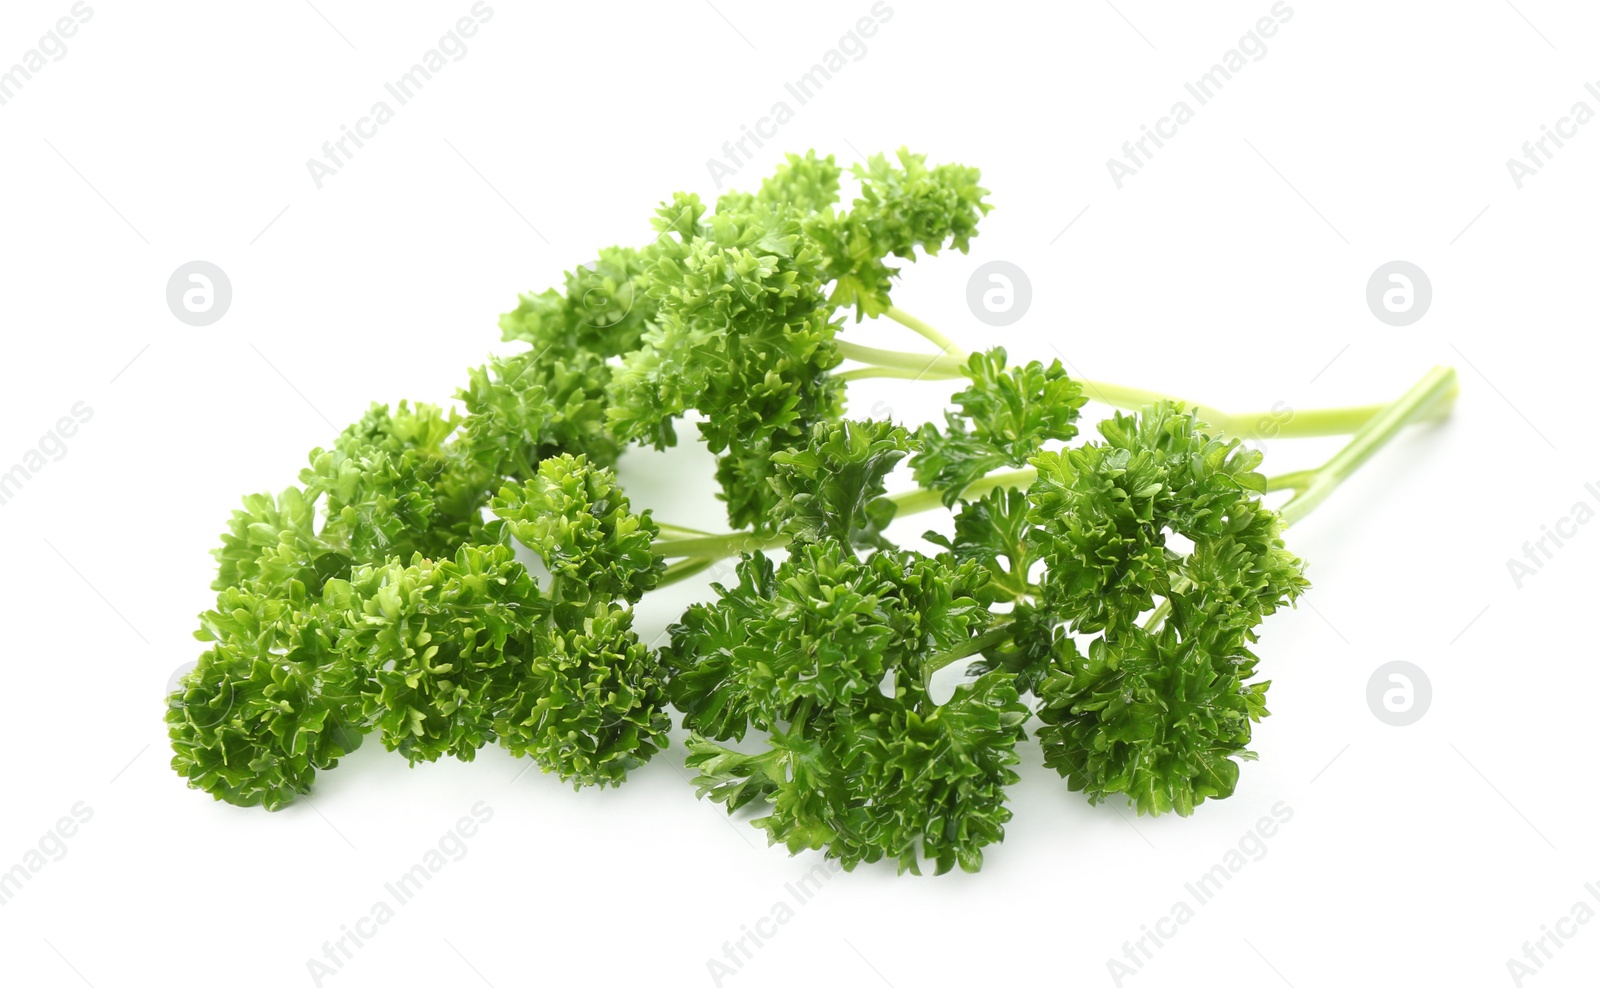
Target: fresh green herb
(452, 579)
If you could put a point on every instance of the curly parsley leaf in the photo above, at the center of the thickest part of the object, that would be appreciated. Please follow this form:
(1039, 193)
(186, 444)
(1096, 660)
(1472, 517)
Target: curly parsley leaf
(577, 520)
(1005, 417)
(900, 209)
(1158, 717)
(833, 487)
(804, 651)
(269, 704)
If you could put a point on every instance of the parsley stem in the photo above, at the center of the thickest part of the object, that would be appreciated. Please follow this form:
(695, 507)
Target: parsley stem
(1430, 398)
(1296, 481)
(923, 330)
(680, 532)
(936, 367)
(922, 499)
(694, 552)
(683, 569)
(1436, 391)
(972, 646)
(714, 547)
(1279, 422)
(864, 373)
(1374, 426)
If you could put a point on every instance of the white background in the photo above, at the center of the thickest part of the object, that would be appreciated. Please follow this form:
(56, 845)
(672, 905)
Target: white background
(1232, 270)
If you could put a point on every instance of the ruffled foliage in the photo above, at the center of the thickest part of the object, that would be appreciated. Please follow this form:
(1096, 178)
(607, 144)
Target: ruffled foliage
(452, 579)
(440, 644)
(1004, 418)
(1158, 717)
(272, 701)
(803, 652)
(901, 208)
(439, 656)
(833, 486)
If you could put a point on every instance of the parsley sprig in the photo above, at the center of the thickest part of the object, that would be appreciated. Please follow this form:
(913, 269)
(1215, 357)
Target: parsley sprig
(450, 579)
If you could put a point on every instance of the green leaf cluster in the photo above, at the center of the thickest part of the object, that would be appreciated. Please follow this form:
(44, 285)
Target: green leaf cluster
(1004, 418)
(270, 703)
(440, 655)
(830, 655)
(833, 487)
(453, 578)
(1161, 715)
